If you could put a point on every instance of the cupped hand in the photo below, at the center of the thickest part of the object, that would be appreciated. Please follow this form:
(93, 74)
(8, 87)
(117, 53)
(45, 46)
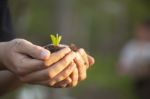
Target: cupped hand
(26, 61)
(82, 62)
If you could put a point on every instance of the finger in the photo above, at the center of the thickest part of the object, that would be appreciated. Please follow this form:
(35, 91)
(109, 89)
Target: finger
(27, 65)
(54, 57)
(50, 72)
(91, 60)
(81, 67)
(74, 77)
(63, 75)
(63, 84)
(27, 48)
(84, 56)
(61, 65)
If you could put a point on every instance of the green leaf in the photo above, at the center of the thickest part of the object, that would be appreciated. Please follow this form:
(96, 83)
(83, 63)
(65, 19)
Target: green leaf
(55, 39)
(59, 39)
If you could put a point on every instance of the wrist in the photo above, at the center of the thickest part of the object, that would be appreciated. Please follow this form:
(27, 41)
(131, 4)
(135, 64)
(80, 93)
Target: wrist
(2, 55)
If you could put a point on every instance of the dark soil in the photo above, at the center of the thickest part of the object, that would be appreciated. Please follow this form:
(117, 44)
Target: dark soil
(73, 47)
(53, 48)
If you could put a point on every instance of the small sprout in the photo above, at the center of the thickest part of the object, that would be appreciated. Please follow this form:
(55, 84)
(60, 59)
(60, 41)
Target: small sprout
(55, 39)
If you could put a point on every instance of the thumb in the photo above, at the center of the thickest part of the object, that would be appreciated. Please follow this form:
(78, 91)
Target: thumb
(35, 51)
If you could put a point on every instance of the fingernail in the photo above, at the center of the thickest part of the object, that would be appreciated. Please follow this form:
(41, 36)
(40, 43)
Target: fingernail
(69, 80)
(92, 61)
(64, 85)
(45, 54)
(52, 83)
(78, 57)
(73, 54)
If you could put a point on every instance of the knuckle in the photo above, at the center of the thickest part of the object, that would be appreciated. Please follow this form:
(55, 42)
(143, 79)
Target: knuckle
(67, 49)
(19, 70)
(65, 60)
(83, 77)
(70, 56)
(18, 43)
(65, 74)
(81, 50)
(13, 43)
(68, 80)
(50, 74)
(59, 78)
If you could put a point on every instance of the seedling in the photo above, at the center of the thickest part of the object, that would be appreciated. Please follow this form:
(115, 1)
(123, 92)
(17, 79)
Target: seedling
(55, 46)
(55, 39)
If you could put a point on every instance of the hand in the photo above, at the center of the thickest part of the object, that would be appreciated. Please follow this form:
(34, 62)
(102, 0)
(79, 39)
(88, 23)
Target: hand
(25, 60)
(83, 61)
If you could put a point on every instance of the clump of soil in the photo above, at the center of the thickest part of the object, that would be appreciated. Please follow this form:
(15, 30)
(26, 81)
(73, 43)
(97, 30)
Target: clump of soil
(53, 48)
(73, 47)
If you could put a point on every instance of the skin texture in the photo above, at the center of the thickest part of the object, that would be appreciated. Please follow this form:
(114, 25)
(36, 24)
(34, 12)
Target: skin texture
(82, 60)
(8, 82)
(32, 64)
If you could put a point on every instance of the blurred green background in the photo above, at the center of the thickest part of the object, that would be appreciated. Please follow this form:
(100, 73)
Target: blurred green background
(102, 27)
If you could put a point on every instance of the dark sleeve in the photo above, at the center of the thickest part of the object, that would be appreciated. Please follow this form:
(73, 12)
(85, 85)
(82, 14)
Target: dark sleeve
(6, 32)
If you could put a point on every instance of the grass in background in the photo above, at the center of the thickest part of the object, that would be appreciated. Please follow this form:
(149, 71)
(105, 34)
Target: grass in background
(103, 75)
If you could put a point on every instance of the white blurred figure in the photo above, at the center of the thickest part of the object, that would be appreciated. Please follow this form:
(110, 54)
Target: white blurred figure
(135, 59)
(40, 92)
(34, 92)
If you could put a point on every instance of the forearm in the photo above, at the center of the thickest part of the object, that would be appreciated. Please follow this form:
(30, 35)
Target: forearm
(8, 82)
